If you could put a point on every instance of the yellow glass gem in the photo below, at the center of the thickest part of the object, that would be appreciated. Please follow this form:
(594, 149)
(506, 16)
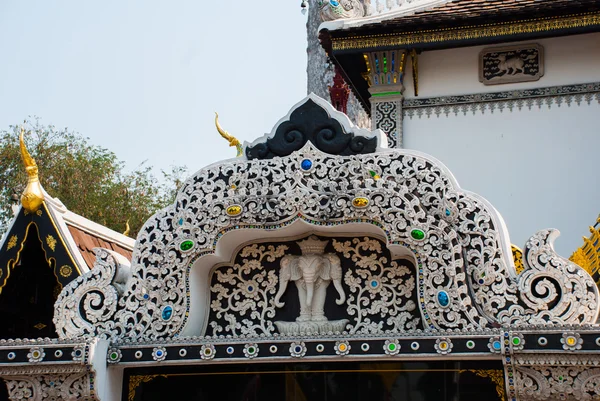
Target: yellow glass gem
(571, 340)
(443, 345)
(234, 210)
(360, 202)
(342, 347)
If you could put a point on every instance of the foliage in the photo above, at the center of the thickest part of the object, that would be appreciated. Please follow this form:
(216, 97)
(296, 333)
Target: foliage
(88, 179)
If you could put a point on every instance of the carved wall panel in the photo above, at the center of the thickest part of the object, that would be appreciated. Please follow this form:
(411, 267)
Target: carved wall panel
(358, 288)
(502, 65)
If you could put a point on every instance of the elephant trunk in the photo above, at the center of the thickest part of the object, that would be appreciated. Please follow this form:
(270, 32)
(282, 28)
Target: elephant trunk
(338, 286)
(282, 286)
(310, 287)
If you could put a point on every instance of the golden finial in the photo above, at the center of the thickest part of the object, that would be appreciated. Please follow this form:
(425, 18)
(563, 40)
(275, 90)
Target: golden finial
(33, 196)
(233, 141)
(127, 228)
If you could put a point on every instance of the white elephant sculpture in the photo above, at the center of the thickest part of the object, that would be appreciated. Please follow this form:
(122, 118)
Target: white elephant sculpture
(312, 274)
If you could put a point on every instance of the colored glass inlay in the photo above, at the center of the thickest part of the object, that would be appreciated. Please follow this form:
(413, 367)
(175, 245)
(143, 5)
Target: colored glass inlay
(234, 210)
(306, 164)
(360, 202)
(417, 234)
(443, 298)
(186, 245)
(384, 64)
(167, 312)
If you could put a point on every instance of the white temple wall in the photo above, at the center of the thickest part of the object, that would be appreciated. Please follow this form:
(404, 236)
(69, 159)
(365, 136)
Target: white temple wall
(537, 166)
(568, 60)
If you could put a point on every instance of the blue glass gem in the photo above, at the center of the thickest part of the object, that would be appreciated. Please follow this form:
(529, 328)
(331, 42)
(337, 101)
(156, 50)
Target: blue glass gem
(334, 3)
(146, 296)
(298, 349)
(180, 222)
(497, 345)
(159, 353)
(167, 312)
(230, 350)
(448, 212)
(250, 288)
(374, 283)
(481, 281)
(306, 164)
(443, 298)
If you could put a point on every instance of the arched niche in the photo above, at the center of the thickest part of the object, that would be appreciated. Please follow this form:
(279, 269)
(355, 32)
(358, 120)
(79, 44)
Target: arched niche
(203, 279)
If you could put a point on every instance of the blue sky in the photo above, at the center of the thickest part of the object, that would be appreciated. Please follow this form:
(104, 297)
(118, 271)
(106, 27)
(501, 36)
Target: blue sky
(144, 78)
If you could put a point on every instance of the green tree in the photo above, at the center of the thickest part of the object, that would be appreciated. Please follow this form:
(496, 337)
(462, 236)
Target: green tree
(88, 179)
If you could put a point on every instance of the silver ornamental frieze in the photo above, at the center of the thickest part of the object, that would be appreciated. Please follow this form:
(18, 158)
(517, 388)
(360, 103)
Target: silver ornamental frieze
(464, 276)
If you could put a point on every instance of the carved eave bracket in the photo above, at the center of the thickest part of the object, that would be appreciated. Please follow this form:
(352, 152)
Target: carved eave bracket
(54, 370)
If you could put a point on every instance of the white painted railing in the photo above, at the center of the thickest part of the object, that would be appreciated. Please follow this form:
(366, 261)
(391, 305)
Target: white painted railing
(376, 7)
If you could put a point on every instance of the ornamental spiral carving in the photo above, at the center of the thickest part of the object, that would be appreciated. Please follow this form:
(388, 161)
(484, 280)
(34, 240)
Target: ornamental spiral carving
(459, 244)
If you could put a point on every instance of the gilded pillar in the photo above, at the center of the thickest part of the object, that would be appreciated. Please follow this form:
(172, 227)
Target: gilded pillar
(385, 72)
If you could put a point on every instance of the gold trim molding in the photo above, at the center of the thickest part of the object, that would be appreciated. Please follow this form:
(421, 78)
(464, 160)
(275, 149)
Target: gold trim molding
(496, 376)
(135, 381)
(467, 32)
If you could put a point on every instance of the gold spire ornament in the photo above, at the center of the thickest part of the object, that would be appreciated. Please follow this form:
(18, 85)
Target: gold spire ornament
(33, 196)
(233, 141)
(127, 229)
(588, 255)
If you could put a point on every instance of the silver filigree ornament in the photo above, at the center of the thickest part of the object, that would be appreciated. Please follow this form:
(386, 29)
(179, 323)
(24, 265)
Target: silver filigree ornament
(443, 346)
(298, 349)
(114, 355)
(251, 350)
(159, 354)
(571, 341)
(467, 255)
(36, 354)
(381, 291)
(241, 296)
(495, 345)
(391, 347)
(342, 348)
(517, 341)
(208, 351)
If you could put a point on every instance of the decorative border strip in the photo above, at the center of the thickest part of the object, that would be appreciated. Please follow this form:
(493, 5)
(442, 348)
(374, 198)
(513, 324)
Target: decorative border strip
(260, 350)
(554, 95)
(467, 32)
(44, 353)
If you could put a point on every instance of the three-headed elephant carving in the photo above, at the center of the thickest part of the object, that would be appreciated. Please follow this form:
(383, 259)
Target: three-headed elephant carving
(312, 275)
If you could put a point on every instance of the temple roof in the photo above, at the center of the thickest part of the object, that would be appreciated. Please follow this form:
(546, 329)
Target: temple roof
(83, 235)
(66, 237)
(453, 13)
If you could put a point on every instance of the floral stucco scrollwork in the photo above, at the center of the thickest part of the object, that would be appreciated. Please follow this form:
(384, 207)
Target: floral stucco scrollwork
(465, 271)
(243, 293)
(381, 291)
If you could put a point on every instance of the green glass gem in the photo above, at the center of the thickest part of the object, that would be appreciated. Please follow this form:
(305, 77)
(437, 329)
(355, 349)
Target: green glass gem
(516, 341)
(560, 378)
(251, 350)
(417, 234)
(186, 245)
(392, 347)
(114, 356)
